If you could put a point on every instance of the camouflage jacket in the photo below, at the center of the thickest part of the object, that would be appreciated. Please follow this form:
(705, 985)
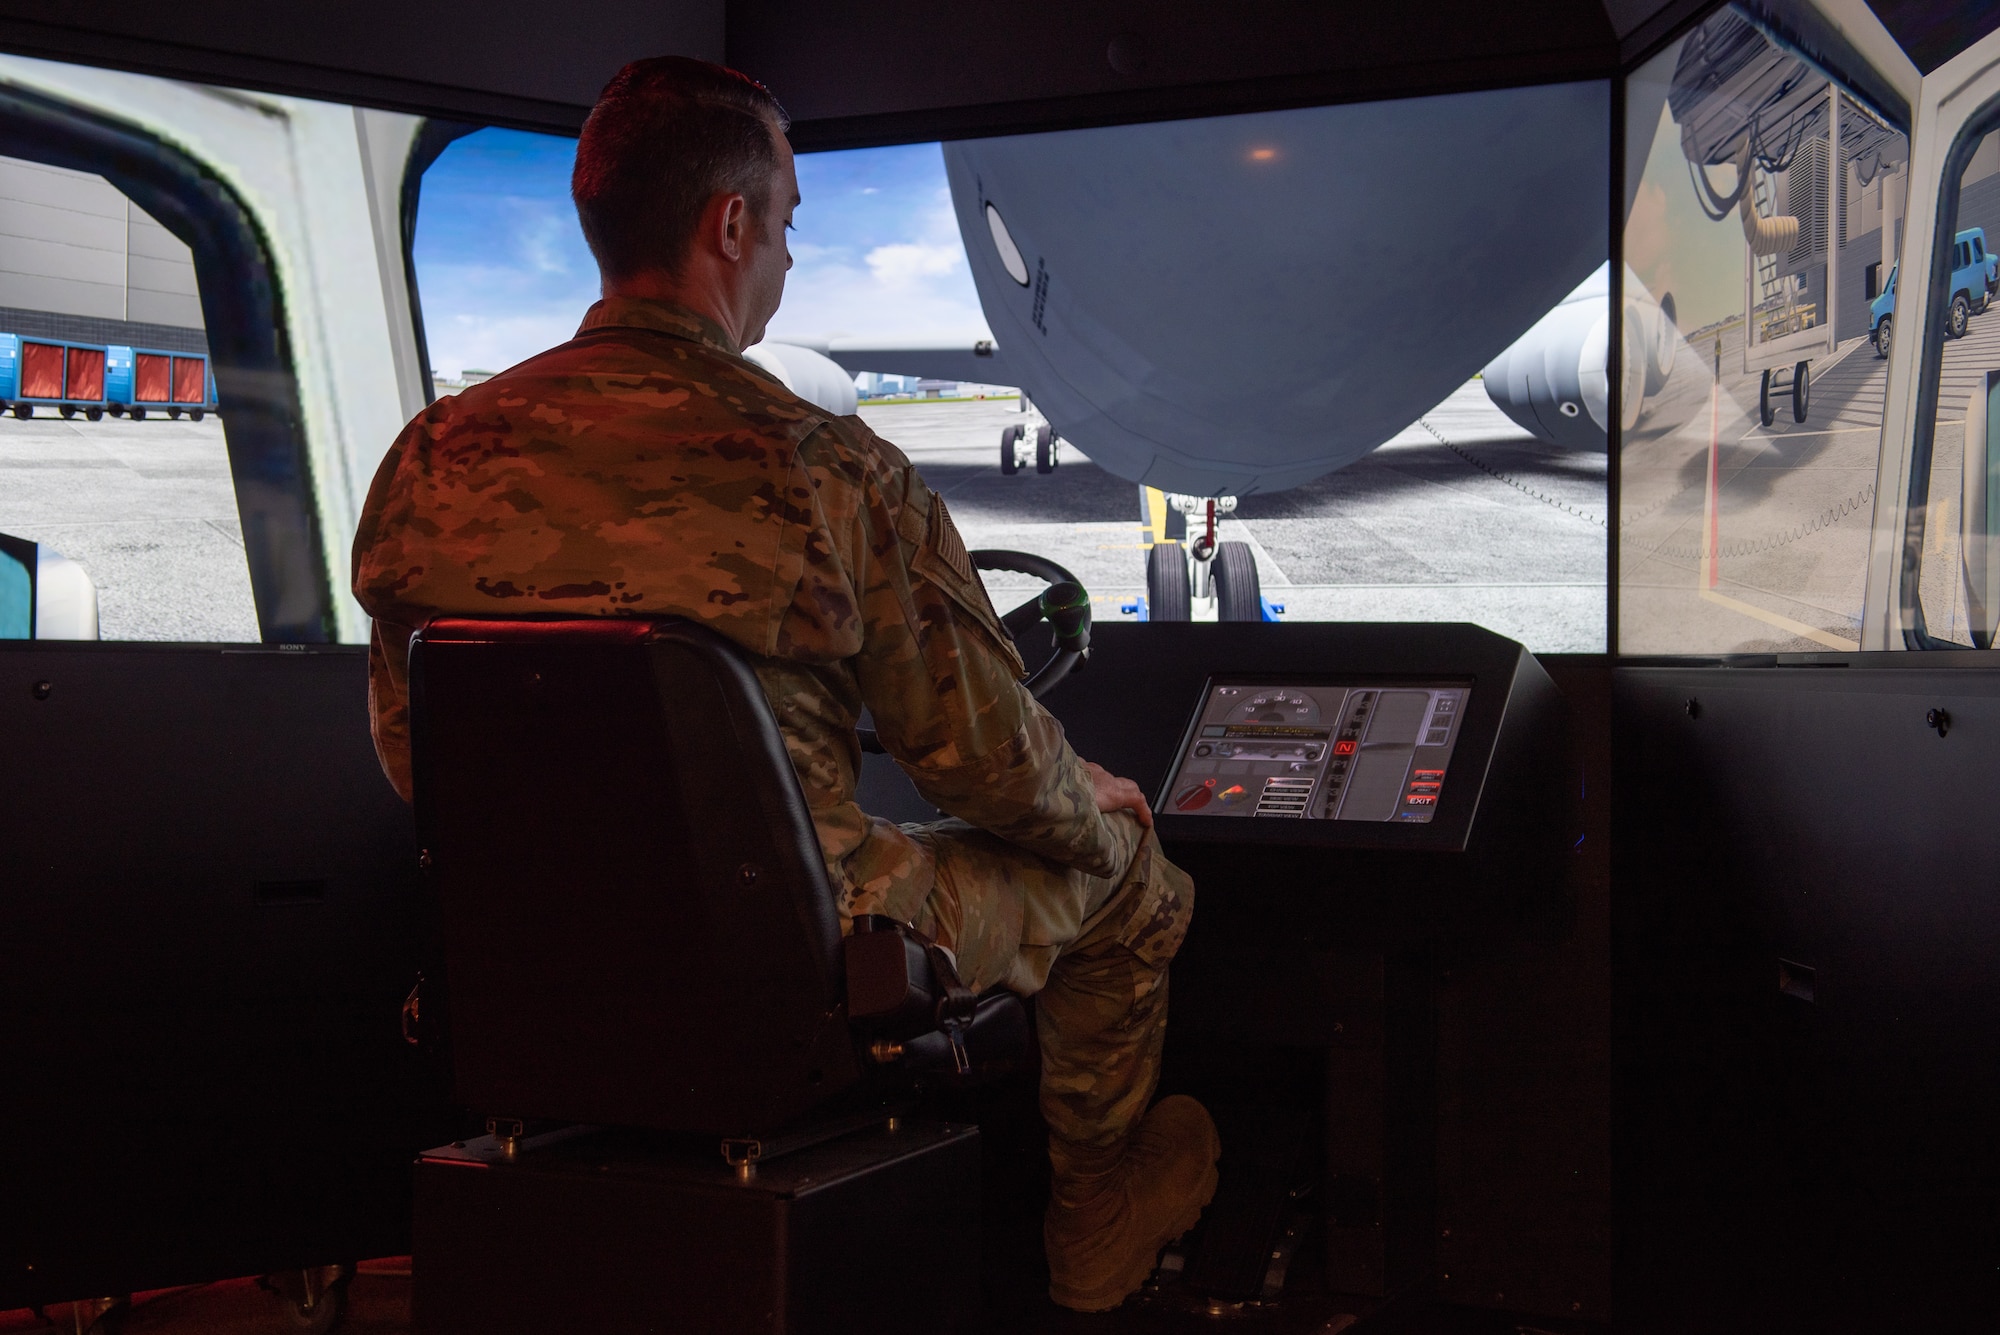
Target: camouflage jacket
(645, 468)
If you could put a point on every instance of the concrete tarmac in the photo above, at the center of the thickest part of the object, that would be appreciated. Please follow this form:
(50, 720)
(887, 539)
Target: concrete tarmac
(147, 507)
(1789, 525)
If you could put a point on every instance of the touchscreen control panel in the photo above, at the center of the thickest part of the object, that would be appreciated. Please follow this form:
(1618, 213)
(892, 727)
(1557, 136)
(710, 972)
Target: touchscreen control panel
(1348, 752)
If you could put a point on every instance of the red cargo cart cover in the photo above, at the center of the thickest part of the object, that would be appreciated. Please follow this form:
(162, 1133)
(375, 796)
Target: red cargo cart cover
(152, 378)
(190, 384)
(86, 373)
(41, 370)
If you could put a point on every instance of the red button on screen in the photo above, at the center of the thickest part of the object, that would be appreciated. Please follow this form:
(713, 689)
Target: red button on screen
(1343, 748)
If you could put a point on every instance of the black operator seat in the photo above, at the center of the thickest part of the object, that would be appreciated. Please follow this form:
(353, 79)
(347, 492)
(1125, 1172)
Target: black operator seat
(638, 925)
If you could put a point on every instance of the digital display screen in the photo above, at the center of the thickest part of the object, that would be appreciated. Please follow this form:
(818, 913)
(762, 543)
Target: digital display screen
(1378, 752)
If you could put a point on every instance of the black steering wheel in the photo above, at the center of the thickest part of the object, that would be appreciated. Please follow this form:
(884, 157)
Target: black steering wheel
(1064, 605)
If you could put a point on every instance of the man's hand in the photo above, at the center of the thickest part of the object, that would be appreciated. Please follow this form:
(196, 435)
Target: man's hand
(1116, 794)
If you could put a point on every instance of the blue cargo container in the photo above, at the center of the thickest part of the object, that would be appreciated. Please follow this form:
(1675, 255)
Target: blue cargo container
(93, 379)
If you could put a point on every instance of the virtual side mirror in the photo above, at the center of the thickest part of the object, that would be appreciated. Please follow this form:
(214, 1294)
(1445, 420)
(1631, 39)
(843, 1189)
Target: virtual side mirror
(43, 594)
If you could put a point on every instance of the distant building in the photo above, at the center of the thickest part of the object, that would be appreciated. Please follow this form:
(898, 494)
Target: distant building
(872, 385)
(80, 261)
(451, 384)
(937, 389)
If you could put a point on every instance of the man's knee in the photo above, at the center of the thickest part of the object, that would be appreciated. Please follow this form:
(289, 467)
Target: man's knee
(1154, 903)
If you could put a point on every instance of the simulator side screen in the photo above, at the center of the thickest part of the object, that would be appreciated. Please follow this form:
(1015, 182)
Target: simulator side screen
(1373, 752)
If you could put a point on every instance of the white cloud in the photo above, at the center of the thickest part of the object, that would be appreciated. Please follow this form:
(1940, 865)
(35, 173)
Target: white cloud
(805, 253)
(906, 261)
(545, 242)
(495, 345)
(852, 301)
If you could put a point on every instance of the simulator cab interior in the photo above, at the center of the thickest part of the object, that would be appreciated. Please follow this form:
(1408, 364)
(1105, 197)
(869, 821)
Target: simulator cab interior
(1544, 577)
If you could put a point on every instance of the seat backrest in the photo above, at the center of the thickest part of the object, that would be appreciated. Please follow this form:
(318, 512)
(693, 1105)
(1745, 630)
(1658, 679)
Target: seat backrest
(638, 925)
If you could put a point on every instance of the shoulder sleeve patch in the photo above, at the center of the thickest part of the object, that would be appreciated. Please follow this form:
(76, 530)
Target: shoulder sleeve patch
(950, 547)
(943, 562)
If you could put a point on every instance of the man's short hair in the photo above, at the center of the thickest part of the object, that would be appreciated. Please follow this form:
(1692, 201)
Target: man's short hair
(667, 135)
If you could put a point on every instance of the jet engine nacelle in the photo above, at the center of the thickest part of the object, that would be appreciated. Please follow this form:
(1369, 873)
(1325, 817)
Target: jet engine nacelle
(1553, 379)
(808, 373)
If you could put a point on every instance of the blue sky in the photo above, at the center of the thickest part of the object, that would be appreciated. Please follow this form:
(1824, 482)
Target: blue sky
(503, 272)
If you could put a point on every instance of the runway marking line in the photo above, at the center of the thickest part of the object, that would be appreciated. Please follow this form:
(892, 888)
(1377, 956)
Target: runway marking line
(1827, 431)
(1155, 525)
(1784, 623)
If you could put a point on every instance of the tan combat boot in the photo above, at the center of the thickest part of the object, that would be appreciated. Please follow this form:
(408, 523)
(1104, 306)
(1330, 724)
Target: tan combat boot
(1112, 1210)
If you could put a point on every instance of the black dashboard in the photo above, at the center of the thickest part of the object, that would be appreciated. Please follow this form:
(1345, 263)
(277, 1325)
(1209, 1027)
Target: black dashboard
(1333, 735)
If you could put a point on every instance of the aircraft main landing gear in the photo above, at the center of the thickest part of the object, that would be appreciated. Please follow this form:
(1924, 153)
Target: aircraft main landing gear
(1048, 449)
(1015, 452)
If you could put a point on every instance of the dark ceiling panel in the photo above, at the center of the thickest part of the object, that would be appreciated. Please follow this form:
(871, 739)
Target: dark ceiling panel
(1933, 31)
(502, 60)
(853, 71)
(1645, 26)
(857, 73)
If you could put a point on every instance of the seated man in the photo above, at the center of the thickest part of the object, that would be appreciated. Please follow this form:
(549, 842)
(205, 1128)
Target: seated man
(646, 469)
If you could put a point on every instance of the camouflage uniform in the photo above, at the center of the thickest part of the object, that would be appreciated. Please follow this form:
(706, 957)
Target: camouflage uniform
(645, 468)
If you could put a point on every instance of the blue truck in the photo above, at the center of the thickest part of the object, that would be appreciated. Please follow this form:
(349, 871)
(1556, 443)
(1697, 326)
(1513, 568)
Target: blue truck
(1975, 277)
(96, 378)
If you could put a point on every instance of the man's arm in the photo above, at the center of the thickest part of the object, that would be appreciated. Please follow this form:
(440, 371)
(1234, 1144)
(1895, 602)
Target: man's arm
(941, 677)
(377, 575)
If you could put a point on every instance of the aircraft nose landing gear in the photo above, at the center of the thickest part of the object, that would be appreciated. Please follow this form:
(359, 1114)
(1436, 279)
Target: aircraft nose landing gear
(1208, 574)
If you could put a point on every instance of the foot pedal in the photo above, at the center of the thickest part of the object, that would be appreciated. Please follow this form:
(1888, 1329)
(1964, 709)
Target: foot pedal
(1243, 1248)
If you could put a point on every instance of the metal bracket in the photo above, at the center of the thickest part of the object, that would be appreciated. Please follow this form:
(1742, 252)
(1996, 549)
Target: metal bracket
(508, 1131)
(744, 1153)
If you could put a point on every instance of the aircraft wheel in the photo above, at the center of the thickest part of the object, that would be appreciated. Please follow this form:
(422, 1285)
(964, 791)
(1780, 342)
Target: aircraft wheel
(314, 1301)
(1660, 355)
(1764, 413)
(107, 1316)
(1010, 442)
(1046, 453)
(1801, 390)
(1882, 335)
(1167, 594)
(1959, 317)
(93, 414)
(1238, 594)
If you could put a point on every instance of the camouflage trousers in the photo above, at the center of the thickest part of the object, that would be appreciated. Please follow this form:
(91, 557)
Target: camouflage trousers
(1092, 950)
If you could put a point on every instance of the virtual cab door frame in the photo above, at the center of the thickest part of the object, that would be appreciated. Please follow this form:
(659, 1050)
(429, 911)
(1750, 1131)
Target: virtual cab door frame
(1961, 95)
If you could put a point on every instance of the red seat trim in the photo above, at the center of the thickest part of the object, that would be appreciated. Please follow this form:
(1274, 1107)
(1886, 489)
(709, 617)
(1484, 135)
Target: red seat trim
(518, 630)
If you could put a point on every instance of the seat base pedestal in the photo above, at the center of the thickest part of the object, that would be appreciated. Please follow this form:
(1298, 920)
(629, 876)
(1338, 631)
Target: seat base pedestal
(875, 1230)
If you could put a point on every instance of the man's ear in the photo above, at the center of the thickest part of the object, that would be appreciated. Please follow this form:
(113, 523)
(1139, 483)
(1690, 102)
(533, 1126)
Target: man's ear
(734, 221)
